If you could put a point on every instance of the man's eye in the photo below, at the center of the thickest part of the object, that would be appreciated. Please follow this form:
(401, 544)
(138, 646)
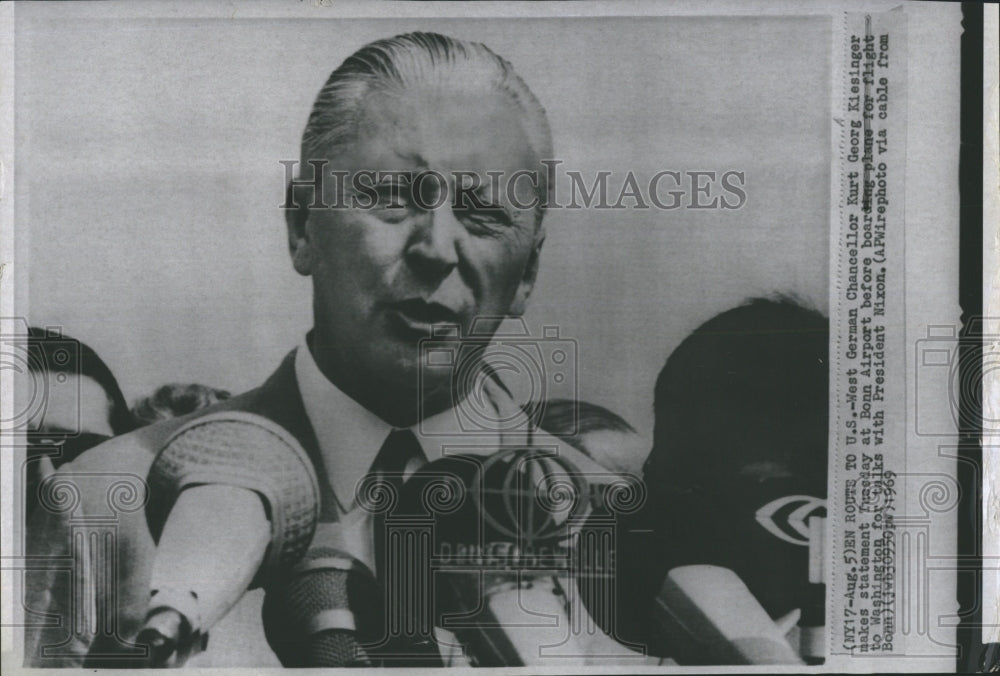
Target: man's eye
(484, 216)
(392, 197)
(392, 204)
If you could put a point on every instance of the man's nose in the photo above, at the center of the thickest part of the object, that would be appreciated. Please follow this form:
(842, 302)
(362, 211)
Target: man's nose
(433, 247)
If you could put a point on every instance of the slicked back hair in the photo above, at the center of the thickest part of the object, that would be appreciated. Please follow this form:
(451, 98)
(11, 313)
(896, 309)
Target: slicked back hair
(417, 61)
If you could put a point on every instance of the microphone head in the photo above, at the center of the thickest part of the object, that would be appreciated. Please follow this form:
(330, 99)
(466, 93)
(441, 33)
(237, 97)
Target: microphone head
(496, 527)
(249, 451)
(491, 520)
(530, 497)
(759, 530)
(322, 613)
(515, 510)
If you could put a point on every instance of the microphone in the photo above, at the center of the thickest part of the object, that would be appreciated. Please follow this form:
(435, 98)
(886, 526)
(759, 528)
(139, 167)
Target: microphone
(708, 616)
(502, 526)
(812, 629)
(323, 612)
(768, 532)
(233, 498)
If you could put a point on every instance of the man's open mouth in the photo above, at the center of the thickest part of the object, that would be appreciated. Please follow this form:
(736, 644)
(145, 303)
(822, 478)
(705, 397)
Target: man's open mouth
(419, 312)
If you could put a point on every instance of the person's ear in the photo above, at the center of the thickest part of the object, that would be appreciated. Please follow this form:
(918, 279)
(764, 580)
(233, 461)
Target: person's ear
(296, 220)
(528, 278)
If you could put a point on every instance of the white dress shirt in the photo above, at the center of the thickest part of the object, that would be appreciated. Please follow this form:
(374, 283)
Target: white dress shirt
(350, 436)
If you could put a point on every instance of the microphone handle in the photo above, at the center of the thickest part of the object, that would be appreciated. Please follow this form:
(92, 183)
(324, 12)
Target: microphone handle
(213, 543)
(480, 632)
(489, 646)
(707, 615)
(516, 624)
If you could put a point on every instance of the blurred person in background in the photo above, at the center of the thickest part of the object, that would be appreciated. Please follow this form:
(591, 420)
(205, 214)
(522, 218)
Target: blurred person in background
(738, 465)
(174, 400)
(602, 435)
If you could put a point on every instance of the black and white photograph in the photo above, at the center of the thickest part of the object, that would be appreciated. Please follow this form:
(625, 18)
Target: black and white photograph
(472, 336)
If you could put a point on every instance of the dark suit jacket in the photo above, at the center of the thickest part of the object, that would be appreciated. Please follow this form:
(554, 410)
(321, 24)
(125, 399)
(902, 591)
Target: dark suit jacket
(99, 499)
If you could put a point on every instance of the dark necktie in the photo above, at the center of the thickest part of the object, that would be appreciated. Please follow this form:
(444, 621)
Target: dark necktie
(401, 567)
(389, 467)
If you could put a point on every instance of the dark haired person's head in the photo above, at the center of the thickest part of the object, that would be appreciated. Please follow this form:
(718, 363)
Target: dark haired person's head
(80, 393)
(78, 405)
(174, 400)
(739, 458)
(738, 463)
(601, 434)
(745, 395)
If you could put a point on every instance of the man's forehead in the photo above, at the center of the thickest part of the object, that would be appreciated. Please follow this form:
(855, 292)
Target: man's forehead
(444, 131)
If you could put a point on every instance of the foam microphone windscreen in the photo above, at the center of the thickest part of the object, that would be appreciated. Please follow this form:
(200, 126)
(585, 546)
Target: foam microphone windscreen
(323, 611)
(247, 451)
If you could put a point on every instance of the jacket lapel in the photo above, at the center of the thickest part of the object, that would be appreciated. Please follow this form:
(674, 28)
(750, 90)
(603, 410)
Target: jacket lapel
(280, 400)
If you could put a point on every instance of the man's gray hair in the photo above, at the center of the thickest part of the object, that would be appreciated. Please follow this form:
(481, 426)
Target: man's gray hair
(415, 60)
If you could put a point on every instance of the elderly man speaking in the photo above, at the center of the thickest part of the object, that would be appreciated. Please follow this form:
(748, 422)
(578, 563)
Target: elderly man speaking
(424, 210)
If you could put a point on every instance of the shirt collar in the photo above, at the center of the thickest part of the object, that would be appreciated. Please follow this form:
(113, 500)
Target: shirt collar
(349, 435)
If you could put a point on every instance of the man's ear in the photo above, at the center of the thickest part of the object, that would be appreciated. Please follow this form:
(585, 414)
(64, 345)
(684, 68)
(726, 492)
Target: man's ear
(296, 220)
(528, 278)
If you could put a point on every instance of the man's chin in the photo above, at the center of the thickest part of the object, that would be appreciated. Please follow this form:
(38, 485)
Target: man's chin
(408, 390)
(400, 366)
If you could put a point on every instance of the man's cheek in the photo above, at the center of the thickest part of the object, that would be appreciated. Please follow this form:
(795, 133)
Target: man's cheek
(509, 250)
(501, 286)
(379, 244)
